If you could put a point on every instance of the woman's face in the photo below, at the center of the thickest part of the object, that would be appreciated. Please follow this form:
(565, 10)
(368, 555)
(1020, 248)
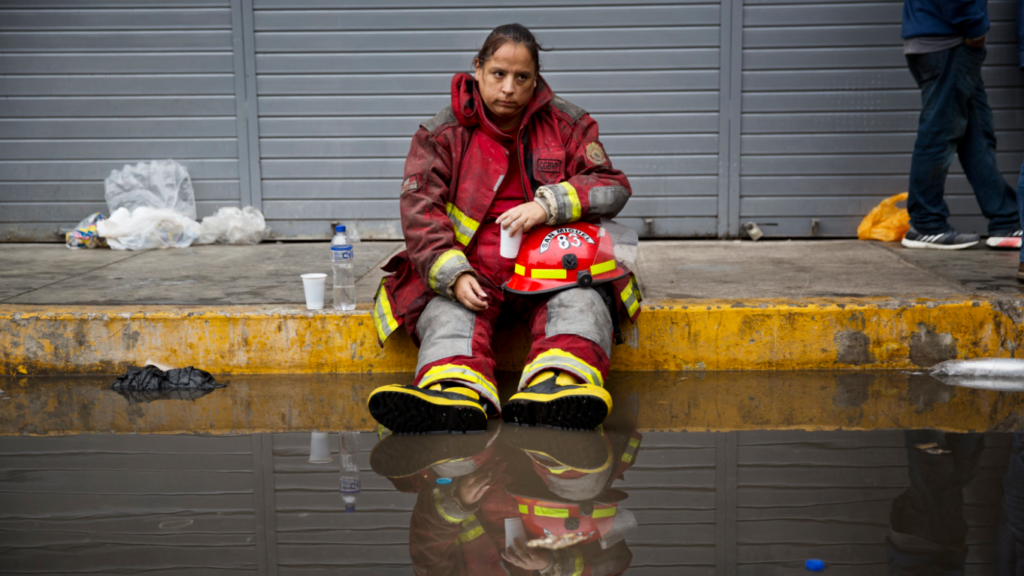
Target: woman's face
(507, 81)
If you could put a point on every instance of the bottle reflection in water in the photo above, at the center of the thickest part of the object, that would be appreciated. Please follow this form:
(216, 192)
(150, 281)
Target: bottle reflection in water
(350, 483)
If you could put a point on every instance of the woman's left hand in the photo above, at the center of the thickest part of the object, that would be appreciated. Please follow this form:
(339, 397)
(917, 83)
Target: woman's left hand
(522, 217)
(527, 558)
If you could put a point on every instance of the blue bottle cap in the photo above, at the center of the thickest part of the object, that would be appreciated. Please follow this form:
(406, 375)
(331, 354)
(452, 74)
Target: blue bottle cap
(339, 228)
(444, 480)
(814, 565)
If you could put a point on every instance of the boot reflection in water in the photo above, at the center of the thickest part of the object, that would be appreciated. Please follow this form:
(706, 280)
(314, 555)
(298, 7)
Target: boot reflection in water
(554, 484)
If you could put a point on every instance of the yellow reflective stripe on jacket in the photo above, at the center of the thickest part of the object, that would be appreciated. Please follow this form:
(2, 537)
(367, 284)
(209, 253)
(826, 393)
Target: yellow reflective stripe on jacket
(574, 202)
(439, 506)
(550, 512)
(458, 372)
(630, 452)
(541, 274)
(603, 512)
(465, 227)
(383, 319)
(471, 530)
(631, 296)
(602, 267)
(579, 565)
(562, 360)
(439, 263)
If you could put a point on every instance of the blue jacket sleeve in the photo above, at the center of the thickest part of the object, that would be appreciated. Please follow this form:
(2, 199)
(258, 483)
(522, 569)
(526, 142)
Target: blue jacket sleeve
(971, 16)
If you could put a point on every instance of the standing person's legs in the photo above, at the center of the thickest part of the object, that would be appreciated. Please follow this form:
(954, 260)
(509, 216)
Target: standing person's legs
(977, 148)
(1020, 208)
(563, 381)
(942, 123)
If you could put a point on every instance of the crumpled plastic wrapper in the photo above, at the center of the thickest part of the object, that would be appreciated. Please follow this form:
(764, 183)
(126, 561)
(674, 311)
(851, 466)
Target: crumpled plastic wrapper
(85, 234)
(151, 383)
(553, 542)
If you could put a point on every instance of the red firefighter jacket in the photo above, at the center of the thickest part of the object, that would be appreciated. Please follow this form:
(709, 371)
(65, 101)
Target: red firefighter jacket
(454, 169)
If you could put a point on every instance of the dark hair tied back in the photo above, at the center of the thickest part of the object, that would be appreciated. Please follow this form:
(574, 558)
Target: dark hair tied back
(515, 33)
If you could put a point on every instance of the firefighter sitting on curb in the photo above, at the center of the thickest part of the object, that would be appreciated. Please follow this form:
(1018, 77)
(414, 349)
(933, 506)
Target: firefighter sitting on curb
(509, 154)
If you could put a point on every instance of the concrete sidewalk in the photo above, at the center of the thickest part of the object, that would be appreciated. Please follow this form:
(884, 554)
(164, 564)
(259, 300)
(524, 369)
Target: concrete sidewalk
(708, 305)
(268, 274)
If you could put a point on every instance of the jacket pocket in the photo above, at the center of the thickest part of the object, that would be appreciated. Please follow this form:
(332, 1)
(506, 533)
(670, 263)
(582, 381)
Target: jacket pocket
(927, 67)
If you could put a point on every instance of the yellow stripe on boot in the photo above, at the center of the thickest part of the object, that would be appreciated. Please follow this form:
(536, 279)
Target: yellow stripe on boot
(555, 398)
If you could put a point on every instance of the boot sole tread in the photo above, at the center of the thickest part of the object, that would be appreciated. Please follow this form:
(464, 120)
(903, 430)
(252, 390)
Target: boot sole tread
(408, 414)
(577, 412)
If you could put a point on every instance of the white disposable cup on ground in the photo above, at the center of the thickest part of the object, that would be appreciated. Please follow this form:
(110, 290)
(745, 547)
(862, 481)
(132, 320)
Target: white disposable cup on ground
(514, 529)
(314, 287)
(319, 448)
(510, 244)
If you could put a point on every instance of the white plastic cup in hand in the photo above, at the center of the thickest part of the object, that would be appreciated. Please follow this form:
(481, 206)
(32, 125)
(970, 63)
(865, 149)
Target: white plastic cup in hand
(510, 244)
(514, 529)
(319, 447)
(314, 287)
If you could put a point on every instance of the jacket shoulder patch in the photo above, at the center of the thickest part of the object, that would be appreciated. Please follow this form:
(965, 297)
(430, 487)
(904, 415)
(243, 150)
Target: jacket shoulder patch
(412, 183)
(443, 117)
(595, 154)
(568, 108)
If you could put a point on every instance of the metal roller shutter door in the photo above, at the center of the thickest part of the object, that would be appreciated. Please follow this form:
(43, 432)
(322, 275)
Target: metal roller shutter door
(830, 114)
(91, 86)
(342, 86)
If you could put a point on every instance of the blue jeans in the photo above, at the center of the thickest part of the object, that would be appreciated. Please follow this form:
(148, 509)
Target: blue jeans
(1020, 203)
(955, 119)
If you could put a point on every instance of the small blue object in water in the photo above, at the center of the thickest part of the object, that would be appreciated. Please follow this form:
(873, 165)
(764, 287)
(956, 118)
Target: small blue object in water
(444, 480)
(814, 565)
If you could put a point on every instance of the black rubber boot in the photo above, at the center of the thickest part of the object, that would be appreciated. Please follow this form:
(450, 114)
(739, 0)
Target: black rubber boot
(557, 400)
(443, 407)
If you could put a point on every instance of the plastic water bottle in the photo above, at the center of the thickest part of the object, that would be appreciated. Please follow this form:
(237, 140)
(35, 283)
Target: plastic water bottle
(341, 260)
(350, 483)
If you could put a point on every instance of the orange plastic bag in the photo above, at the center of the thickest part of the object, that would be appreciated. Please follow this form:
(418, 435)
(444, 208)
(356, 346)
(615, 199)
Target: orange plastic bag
(886, 222)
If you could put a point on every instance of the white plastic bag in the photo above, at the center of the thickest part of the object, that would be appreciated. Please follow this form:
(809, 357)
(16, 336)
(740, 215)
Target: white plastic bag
(231, 225)
(145, 228)
(152, 205)
(160, 184)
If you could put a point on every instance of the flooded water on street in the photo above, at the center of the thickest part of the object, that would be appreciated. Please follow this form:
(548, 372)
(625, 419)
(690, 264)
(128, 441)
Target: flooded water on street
(714, 473)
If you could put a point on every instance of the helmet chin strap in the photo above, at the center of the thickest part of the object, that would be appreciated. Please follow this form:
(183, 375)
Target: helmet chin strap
(609, 301)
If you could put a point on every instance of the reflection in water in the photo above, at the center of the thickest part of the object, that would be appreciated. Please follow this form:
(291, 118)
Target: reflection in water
(928, 529)
(739, 502)
(146, 396)
(1009, 548)
(481, 497)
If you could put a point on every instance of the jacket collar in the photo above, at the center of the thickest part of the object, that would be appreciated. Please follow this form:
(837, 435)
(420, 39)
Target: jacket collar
(469, 107)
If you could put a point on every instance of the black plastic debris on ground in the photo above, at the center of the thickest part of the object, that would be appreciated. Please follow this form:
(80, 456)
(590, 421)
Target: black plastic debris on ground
(150, 383)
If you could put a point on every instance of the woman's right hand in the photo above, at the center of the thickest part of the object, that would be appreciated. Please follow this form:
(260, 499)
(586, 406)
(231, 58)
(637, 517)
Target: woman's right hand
(469, 293)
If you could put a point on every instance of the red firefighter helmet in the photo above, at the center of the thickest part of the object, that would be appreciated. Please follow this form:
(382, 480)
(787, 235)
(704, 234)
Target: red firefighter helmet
(554, 258)
(590, 519)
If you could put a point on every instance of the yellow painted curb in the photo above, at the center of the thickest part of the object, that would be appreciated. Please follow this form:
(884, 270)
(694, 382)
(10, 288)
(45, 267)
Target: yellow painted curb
(674, 335)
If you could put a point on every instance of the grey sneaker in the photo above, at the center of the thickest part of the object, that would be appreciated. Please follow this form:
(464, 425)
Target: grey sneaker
(948, 240)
